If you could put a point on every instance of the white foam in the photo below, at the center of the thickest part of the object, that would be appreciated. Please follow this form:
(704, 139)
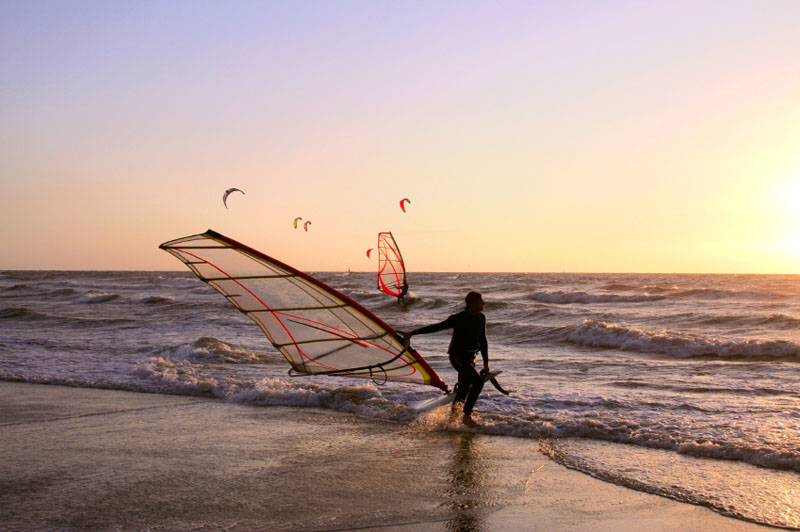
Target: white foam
(360, 399)
(210, 350)
(96, 297)
(602, 334)
(178, 375)
(731, 488)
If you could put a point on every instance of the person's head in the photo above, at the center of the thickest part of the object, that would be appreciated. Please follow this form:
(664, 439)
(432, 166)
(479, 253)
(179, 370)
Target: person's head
(474, 302)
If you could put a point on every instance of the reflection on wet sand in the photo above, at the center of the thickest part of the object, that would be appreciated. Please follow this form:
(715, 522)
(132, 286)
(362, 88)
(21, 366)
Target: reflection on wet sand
(465, 494)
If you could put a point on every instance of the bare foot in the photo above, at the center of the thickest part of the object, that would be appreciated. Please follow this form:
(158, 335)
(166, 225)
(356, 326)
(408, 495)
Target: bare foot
(468, 421)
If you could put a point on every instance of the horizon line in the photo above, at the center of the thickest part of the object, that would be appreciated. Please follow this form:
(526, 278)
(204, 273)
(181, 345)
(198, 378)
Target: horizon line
(571, 272)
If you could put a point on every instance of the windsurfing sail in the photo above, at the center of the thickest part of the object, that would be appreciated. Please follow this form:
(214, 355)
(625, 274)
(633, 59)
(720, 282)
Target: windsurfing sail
(319, 330)
(391, 268)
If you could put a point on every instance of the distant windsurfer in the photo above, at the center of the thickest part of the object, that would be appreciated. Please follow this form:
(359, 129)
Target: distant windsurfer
(469, 338)
(401, 299)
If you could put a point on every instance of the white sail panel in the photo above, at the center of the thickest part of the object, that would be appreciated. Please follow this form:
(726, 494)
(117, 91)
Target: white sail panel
(317, 329)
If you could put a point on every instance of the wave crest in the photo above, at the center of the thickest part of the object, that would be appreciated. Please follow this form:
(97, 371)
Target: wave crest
(20, 313)
(601, 334)
(176, 375)
(360, 399)
(96, 297)
(209, 350)
(562, 298)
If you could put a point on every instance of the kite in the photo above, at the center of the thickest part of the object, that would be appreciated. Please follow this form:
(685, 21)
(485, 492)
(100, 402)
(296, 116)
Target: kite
(225, 196)
(403, 203)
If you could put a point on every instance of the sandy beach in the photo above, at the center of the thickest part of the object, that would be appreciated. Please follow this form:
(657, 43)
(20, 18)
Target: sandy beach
(91, 459)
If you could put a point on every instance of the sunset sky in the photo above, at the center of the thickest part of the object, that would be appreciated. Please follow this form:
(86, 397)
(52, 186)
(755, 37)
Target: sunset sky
(595, 136)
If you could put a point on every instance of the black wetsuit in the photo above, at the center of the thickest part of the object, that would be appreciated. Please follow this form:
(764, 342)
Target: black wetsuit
(469, 337)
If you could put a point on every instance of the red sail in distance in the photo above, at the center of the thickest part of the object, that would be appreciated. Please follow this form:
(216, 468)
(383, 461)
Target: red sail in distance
(391, 268)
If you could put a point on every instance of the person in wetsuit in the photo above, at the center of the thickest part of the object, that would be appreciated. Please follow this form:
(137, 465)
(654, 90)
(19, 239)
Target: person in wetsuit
(401, 299)
(469, 338)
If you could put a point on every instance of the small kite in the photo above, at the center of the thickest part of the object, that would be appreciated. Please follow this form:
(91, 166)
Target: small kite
(305, 225)
(225, 196)
(369, 251)
(296, 220)
(403, 203)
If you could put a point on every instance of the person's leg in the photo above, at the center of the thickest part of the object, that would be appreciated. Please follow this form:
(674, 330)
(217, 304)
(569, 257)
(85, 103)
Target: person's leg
(475, 387)
(470, 384)
(462, 387)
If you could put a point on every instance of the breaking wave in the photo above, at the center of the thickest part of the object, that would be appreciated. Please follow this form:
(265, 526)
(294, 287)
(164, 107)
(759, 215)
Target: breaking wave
(212, 351)
(96, 297)
(359, 399)
(601, 334)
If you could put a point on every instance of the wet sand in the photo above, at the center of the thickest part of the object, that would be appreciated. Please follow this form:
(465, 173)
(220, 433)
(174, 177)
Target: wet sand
(96, 460)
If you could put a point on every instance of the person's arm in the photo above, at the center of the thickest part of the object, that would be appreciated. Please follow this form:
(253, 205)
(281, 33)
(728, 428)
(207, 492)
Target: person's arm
(484, 343)
(436, 327)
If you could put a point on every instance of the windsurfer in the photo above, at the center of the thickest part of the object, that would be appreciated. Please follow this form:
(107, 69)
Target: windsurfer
(469, 338)
(401, 299)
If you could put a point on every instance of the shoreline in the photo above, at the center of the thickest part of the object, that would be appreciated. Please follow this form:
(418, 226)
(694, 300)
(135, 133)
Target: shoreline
(96, 459)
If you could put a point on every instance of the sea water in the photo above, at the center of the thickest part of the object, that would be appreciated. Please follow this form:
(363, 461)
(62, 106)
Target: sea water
(687, 386)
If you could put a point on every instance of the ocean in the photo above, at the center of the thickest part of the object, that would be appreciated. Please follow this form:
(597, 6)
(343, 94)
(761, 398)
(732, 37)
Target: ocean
(685, 386)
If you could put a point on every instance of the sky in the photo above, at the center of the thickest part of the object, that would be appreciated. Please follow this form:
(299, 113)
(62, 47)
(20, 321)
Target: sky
(531, 136)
